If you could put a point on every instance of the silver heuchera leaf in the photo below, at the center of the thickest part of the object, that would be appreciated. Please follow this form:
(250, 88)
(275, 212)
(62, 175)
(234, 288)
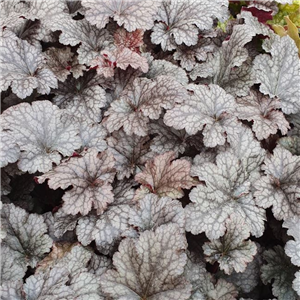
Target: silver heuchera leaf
(142, 100)
(42, 132)
(231, 251)
(12, 290)
(208, 106)
(23, 68)
(9, 150)
(82, 97)
(25, 236)
(90, 175)
(13, 266)
(179, 21)
(133, 14)
(130, 151)
(149, 267)
(161, 67)
(106, 229)
(152, 212)
(280, 187)
(93, 136)
(279, 74)
(165, 176)
(262, 110)
(230, 67)
(279, 269)
(92, 40)
(292, 247)
(227, 192)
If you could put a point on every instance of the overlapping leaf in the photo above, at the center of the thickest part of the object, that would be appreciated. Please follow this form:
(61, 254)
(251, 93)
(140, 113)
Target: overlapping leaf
(227, 192)
(280, 187)
(279, 74)
(132, 14)
(90, 175)
(23, 68)
(82, 97)
(262, 110)
(179, 21)
(142, 100)
(10, 151)
(208, 106)
(42, 132)
(231, 251)
(150, 267)
(26, 236)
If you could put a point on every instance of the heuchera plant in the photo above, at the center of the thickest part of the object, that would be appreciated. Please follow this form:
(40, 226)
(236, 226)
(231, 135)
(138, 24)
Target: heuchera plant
(150, 150)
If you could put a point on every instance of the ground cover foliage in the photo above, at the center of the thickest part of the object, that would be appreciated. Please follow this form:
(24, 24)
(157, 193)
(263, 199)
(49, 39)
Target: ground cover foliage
(150, 150)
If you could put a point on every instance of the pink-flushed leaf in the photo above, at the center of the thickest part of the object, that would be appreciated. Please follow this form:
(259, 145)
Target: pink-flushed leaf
(165, 176)
(90, 175)
(119, 57)
(23, 68)
(134, 14)
(279, 74)
(131, 40)
(92, 40)
(82, 97)
(231, 251)
(208, 106)
(142, 100)
(42, 132)
(280, 272)
(179, 21)
(9, 149)
(26, 235)
(130, 151)
(150, 267)
(153, 211)
(62, 63)
(264, 113)
(280, 187)
(227, 192)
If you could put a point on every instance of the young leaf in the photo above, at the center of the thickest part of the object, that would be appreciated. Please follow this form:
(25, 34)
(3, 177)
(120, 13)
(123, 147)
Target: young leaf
(142, 100)
(90, 176)
(23, 68)
(149, 267)
(133, 14)
(279, 74)
(231, 251)
(280, 187)
(165, 176)
(279, 269)
(227, 192)
(208, 106)
(42, 132)
(25, 238)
